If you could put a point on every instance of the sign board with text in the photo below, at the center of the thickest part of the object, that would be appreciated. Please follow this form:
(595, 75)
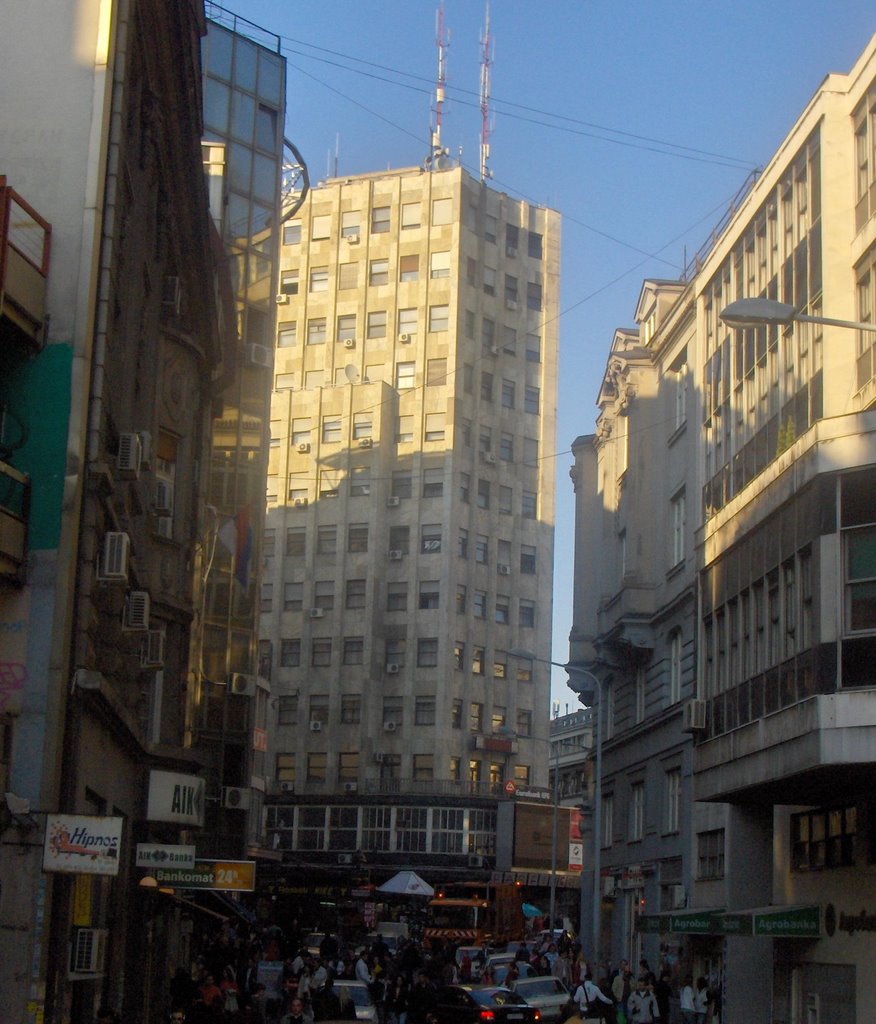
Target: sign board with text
(151, 855)
(81, 844)
(221, 875)
(175, 797)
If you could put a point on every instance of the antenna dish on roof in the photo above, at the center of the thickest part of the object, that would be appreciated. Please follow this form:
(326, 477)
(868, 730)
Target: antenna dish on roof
(351, 373)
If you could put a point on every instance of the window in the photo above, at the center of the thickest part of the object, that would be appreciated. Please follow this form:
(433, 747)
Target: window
(507, 394)
(427, 652)
(292, 233)
(400, 539)
(376, 324)
(285, 764)
(295, 541)
(289, 282)
(380, 220)
(360, 481)
(357, 537)
(459, 655)
(350, 223)
(397, 597)
(439, 264)
(301, 427)
(530, 451)
(823, 838)
(354, 650)
(430, 539)
(267, 599)
(510, 291)
(405, 432)
(442, 212)
(429, 594)
(710, 854)
(479, 604)
(351, 709)
(476, 717)
(439, 318)
(312, 379)
(498, 718)
(436, 372)
(321, 652)
(533, 348)
(331, 429)
(506, 500)
(524, 670)
(677, 511)
(410, 216)
(461, 596)
(534, 244)
(531, 399)
(378, 272)
(512, 240)
(405, 378)
(529, 505)
(533, 295)
(290, 653)
(348, 276)
(269, 542)
(447, 830)
(483, 493)
(433, 482)
(293, 597)
(395, 652)
(527, 559)
(607, 823)
(509, 340)
(324, 594)
(465, 487)
(675, 667)
(482, 549)
(456, 713)
(527, 612)
(287, 335)
(355, 594)
(362, 425)
(320, 227)
(401, 483)
(503, 609)
(491, 228)
(637, 811)
(680, 396)
(407, 323)
(327, 540)
(673, 799)
(640, 694)
(316, 331)
(424, 711)
(319, 279)
(486, 387)
(462, 544)
(522, 773)
(409, 267)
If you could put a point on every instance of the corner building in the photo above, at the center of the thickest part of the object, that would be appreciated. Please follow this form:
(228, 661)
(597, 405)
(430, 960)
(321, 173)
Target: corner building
(409, 538)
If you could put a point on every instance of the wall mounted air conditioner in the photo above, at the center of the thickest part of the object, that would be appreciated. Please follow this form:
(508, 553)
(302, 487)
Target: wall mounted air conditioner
(475, 860)
(366, 442)
(503, 570)
(300, 503)
(349, 342)
(392, 669)
(303, 449)
(136, 613)
(390, 726)
(317, 613)
(693, 716)
(316, 726)
(352, 239)
(236, 798)
(396, 555)
(88, 951)
(609, 886)
(282, 299)
(152, 649)
(393, 501)
(129, 456)
(145, 449)
(162, 502)
(258, 355)
(345, 858)
(351, 787)
(678, 896)
(287, 787)
(405, 339)
(241, 685)
(114, 559)
(494, 350)
(511, 304)
(489, 458)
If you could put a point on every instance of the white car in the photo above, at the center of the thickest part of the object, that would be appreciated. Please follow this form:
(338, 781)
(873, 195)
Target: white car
(358, 990)
(548, 995)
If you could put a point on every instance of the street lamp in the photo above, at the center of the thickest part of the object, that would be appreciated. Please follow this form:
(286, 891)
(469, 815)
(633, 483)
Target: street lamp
(594, 699)
(761, 312)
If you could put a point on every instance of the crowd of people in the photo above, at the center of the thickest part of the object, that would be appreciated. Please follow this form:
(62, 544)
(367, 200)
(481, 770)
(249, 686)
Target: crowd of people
(247, 978)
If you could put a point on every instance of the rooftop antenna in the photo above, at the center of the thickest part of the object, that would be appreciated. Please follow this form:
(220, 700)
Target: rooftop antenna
(486, 128)
(436, 152)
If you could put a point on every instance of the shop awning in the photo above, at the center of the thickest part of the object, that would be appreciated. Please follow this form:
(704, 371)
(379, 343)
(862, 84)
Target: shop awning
(699, 921)
(799, 922)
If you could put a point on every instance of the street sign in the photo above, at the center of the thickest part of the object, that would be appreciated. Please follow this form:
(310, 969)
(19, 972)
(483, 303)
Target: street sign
(510, 787)
(222, 875)
(150, 855)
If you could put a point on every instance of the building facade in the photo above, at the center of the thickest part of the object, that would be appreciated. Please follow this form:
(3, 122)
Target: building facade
(409, 538)
(778, 697)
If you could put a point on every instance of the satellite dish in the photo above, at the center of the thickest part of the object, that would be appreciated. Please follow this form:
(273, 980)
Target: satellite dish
(351, 373)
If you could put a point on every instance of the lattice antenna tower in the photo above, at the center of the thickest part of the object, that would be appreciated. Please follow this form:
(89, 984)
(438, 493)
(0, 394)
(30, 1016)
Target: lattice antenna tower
(442, 39)
(486, 126)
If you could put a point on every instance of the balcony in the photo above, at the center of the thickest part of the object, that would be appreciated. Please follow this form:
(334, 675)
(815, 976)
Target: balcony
(14, 507)
(390, 787)
(802, 754)
(24, 267)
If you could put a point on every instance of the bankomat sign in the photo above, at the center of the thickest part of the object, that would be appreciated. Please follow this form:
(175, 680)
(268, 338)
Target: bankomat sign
(175, 797)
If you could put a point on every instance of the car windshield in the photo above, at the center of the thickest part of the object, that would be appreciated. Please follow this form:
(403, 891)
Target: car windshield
(496, 997)
(539, 987)
(359, 993)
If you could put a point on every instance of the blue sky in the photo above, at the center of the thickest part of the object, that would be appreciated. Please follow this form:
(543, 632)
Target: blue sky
(637, 120)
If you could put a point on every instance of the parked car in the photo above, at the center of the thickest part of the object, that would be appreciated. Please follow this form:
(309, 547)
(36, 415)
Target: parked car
(474, 954)
(358, 990)
(467, 1004)
(312, 942)
(498, 965)
(549, 995)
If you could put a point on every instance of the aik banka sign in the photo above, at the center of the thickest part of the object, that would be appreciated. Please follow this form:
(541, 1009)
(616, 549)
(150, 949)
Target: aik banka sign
(176, 798)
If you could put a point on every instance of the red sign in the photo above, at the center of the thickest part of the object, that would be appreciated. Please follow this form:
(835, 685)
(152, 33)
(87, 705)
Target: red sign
(510, 787)
(260, 740)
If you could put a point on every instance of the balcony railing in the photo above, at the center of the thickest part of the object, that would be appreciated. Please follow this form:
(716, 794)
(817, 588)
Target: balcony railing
(24, 264)
(14, 508)
(391, 787)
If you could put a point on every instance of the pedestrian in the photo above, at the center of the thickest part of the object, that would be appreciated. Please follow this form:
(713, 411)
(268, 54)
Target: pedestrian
(230, 990)
(295, 1014)
(688, 1009)
(621, 987)
(642, 1004)
(663, 993)
(701, 1001)
(589, 999)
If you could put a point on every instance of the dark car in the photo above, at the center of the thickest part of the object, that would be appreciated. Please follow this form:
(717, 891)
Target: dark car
(467, 1004)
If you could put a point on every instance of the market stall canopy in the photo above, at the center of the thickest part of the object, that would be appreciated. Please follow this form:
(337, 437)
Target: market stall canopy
(407, 883)
(530, 911)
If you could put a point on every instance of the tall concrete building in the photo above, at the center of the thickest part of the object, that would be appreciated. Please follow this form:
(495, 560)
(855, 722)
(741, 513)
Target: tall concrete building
(409, 539)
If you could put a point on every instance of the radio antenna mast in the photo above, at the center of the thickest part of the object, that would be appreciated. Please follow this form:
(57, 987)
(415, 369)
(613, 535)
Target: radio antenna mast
(437, 152)
(486, 127)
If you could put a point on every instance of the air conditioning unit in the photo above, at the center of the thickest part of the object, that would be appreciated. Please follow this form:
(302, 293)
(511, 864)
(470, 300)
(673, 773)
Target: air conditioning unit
(282, 299)
(300, 503)
(510, 250)
(162, 503)
(152, 649)
(316, 613)
(494, 350)
(609, 886)
(405, 339)
(287, 787)
(678, 896)
(303, 449)
(114, 560)
(366, 442)
(351, 787)
(349, 342)
(475, 860)
(511, 304)
(379, 758)
(316, 726)
(88, 951)
(503, 570)
(236, 798)
(390, 726)
(241, 685)
(171, 294)
(136, 613)
(489, 458)
(128, 458)
(145, 449)
(396, 555)
(393, 501)
(392, 669)
(352, 239)
(259, 355)
(693, 717)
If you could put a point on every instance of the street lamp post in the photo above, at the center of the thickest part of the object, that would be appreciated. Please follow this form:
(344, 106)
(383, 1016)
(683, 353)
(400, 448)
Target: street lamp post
(761, 312)
(595, 701)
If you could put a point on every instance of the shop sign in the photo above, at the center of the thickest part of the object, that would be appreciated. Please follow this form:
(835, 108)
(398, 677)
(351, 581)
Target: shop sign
(775, 922)
(690, 922)
(150, 855)
(260, 740)
(633, 877)
(175, 797)
(576, 856)
(82, 844)
(222, 875)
